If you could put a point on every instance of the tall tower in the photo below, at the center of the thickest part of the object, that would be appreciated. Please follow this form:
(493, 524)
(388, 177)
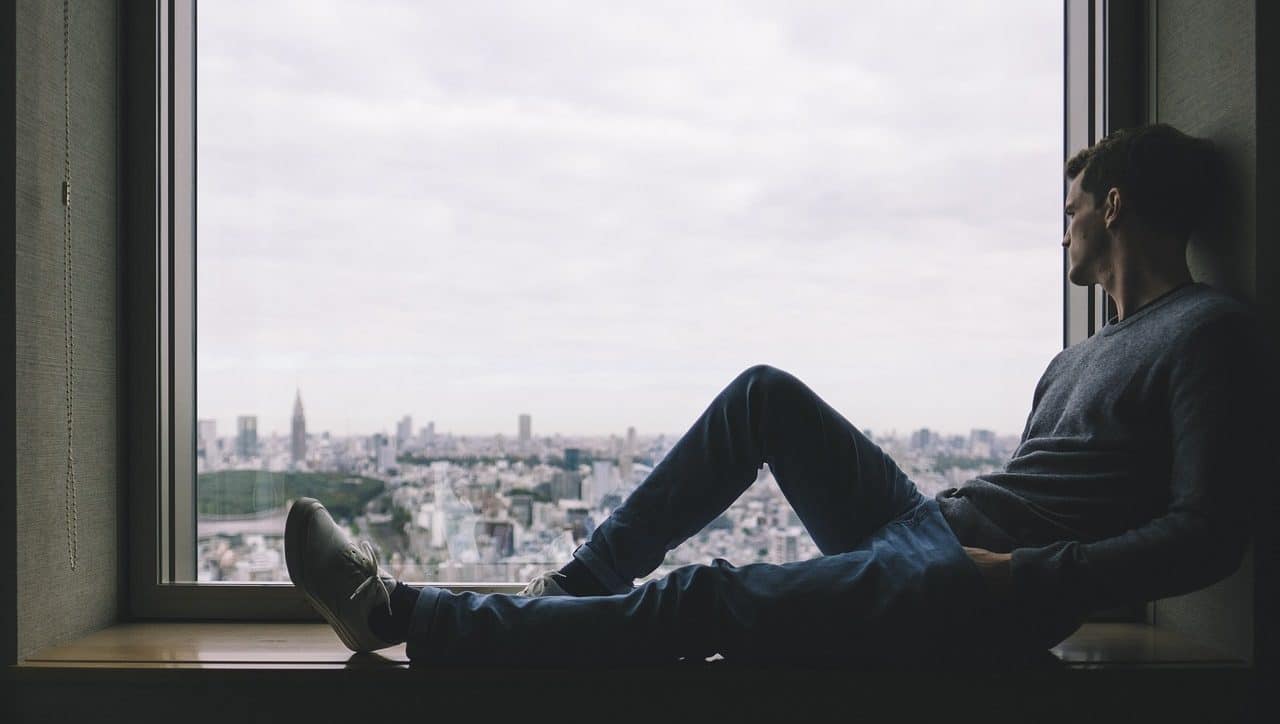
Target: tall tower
(526, 429)
(298, 441)
(246, 436)
(404, 432)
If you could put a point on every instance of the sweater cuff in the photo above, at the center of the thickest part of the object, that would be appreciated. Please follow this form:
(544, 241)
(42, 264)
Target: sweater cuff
(1048, 594)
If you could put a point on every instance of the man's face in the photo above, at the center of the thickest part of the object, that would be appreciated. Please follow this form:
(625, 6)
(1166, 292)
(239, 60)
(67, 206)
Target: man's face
(1087, 240)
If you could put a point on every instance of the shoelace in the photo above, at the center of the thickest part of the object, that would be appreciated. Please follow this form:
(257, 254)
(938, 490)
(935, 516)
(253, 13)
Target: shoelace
(370, 567)
(538, 586)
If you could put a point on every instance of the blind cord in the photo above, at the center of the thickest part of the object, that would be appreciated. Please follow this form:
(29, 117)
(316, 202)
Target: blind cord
(68, 329)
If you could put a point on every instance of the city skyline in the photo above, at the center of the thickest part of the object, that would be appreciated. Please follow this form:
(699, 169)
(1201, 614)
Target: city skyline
(298, 425)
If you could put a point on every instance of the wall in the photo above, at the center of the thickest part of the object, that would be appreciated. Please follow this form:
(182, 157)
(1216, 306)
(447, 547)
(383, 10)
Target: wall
(55, 602)
(1202, 78)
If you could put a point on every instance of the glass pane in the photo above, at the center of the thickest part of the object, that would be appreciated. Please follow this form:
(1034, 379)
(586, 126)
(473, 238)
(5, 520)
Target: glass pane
(467, 271)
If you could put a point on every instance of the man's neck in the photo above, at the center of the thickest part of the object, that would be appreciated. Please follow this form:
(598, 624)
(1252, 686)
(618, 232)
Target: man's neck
(1132, 291)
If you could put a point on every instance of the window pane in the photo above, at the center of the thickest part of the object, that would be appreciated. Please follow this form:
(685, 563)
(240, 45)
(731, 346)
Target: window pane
(467, 271)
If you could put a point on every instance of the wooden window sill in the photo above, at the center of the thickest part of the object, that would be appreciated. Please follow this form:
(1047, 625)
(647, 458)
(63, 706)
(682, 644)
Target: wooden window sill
(274, 645)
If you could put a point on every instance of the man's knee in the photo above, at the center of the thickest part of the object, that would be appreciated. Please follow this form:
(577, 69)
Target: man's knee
(771, 381)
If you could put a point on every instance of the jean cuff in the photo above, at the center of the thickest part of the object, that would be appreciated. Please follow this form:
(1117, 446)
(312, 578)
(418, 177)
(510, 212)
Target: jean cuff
(601, 570)
(424, 610)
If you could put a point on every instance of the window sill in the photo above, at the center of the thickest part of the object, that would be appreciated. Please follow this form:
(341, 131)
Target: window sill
(274, 645)
(219, 672)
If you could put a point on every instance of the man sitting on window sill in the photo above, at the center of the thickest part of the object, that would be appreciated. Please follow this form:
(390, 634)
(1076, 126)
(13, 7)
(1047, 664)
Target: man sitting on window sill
(1133, 481)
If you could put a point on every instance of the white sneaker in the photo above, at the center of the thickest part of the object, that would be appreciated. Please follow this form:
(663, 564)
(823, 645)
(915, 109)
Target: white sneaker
(544, 585)
(342, 580)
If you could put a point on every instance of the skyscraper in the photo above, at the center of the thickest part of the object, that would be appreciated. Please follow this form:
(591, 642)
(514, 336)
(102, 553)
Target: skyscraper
(631, 441)
(526, 429)
(604, 480)
(247, 436)
(404, 431)
(784, 545)
(981, 442)
(566, 484)
(298, 432)
(206, 435)
(384, 451)
(572, 457)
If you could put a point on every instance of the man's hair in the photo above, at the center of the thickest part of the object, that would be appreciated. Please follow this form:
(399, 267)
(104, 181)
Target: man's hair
(1169, 179)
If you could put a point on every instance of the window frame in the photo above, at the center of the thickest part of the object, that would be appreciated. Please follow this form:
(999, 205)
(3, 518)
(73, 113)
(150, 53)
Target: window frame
(158, 311)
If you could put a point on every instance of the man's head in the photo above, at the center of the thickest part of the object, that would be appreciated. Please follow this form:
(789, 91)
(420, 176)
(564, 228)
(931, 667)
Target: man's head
(1137, 194)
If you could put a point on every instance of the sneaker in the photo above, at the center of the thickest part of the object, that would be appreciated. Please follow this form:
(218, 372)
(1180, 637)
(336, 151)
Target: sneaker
(340, 579)
(544, 585)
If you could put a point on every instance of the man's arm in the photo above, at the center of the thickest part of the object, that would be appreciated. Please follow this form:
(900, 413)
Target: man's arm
(1218, 403)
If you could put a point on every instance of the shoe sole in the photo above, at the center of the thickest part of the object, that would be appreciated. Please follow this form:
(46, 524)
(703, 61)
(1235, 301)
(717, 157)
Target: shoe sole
(295, 542)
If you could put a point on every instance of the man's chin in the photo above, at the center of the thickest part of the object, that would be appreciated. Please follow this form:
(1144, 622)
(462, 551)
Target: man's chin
(1076, 278)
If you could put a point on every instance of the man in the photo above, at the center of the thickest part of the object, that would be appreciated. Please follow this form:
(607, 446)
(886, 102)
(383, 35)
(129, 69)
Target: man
(1132, 481)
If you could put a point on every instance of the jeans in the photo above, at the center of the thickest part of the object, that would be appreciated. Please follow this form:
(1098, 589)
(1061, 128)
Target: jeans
(893, 582)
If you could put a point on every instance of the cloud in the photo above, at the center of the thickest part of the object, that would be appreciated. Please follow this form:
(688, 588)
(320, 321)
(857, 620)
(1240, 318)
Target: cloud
(600, 213)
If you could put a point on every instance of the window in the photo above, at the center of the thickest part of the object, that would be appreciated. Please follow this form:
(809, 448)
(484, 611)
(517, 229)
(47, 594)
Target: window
(466, 274)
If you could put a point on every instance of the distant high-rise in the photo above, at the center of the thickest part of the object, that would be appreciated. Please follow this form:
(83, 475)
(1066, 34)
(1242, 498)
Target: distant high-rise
(500, 537)
(625, 468)
(526, 429)
(981, 442)
(631, 441)
(404, 431)
(604, 480)
(572, 458)
(921, 439)
(784, 545)
(247, 436)
(206, 435)
(566, 485)
(384, 451)
(521, 508)
(298, 432)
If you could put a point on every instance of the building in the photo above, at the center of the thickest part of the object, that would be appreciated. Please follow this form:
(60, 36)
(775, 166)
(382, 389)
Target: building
(631, 441)
(625, 469)
(566, 485)
(404, 431)
(526, 429)
(495, 539)
(521, 508)
(206, 436)
(604, 480)
(922, 439)
(384, 451)
(981, 442)
(247, 436)
(572, 458)
(784, 545)
(298, 432)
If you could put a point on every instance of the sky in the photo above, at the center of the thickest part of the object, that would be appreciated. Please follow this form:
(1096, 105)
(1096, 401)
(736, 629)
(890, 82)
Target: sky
(600, 213)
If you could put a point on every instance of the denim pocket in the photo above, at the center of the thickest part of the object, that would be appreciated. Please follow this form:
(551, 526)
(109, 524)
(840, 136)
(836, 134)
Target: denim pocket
(913, 515)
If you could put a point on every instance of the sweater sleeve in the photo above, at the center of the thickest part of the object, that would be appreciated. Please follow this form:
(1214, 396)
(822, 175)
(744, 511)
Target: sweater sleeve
(1218, 400)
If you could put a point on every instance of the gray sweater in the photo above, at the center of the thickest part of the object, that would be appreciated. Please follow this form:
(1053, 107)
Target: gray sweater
(1135, 473)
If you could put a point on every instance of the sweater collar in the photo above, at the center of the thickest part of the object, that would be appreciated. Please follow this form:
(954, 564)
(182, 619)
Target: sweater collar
(1113, 324)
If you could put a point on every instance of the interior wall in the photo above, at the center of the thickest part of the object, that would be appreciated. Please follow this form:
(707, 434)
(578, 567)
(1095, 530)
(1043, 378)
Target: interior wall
(1202, 79)
(56, 601)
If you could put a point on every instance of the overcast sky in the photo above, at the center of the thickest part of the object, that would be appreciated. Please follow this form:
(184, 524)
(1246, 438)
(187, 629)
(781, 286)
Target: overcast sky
(600, 213)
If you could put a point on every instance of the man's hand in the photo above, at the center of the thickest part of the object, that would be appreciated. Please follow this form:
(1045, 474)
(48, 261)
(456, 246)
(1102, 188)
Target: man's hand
(996, 571)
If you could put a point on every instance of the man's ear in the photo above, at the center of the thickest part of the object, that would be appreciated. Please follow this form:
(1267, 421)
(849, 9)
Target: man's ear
(1111, 207)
